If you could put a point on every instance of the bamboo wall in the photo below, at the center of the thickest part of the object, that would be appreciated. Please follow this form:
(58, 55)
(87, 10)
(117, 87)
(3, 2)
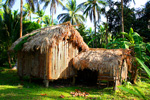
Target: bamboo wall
(55, 64)
(114, 72)
(31, 64)
(59, 61)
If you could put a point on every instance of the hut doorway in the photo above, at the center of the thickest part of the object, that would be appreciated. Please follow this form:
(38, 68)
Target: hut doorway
(86, 77)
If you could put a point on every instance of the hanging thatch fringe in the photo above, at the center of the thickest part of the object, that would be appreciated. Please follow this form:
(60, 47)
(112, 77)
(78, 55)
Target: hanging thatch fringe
(51, 36)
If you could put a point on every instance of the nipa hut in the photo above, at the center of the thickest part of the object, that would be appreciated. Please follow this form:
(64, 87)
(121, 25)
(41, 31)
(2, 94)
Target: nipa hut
(47, 53)
(111, 64)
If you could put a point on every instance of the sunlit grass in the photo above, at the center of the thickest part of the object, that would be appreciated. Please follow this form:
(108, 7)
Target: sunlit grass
(11, 88)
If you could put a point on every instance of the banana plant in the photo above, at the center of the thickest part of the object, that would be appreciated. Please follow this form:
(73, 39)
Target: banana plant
(132, 41)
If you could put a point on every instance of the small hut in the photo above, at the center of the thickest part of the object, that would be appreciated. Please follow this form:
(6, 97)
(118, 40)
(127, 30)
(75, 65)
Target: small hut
(111, 64)
(47, 53)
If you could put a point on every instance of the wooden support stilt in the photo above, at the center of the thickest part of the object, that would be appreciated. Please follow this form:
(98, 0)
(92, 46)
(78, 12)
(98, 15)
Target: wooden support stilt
(116, 83)
(117, 79)
(30, 79)
(20, 77)
(74, 80)
(46, 83)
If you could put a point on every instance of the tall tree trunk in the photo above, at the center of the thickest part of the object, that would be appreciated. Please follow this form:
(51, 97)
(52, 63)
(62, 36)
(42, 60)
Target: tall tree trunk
(95, 33)
(52, 16)
(92, 41)
(30, 17)
(21, 7)
(106, 29)
(95, 26)
(122, 19)
(9, 61)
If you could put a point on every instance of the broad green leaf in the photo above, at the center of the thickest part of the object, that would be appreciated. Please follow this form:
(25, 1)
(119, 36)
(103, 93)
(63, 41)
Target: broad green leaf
(91, 40)
(137, 38)
(130, 32)
(140, 93)
(129, 91)
(125, 45)
(124, 33)
(144, 66)
(148, 47)
(121, 39)
(129, 37)
(138, 51)
(113, 44)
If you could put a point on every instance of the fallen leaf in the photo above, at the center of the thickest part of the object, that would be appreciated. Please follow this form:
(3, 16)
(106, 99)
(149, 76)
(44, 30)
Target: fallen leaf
(71, 93)
(43, 94)
(79, 93)
(68, 96)
(62, 96)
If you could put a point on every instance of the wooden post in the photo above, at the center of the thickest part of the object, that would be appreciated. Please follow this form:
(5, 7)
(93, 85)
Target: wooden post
(116, 83)
(74, 80)
(30, 79)
(46, 83)
(117, 79)
(74, 77)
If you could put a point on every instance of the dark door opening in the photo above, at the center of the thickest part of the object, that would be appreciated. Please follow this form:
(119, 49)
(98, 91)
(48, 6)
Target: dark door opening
(86, 77)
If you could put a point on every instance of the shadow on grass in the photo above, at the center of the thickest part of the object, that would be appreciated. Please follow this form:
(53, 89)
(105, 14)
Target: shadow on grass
(11, 88)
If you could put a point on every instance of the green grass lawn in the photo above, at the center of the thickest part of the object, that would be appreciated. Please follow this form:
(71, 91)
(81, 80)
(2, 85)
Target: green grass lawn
(11, 88)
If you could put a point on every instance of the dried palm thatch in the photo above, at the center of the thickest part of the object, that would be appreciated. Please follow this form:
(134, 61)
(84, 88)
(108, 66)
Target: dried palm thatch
(49, 37)
(100, 59)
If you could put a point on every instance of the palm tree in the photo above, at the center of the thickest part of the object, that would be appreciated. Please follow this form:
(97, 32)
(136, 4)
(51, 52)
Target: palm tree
(122, 17)
(10, 3)
(93, 10)
(103, 10)
(47, 20)
(28, 11)
(53, 4)
(8, 29)
(71, 15)
(40, 15)
(105, 24)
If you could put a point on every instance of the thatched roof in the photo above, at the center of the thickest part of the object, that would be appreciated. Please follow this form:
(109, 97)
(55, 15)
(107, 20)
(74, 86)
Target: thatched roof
(50, 36)
(100, 59)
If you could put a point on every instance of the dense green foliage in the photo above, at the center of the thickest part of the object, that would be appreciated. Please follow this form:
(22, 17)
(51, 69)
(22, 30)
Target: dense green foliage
(30, 26)
(92, 9)
(9, 23)
(132, 41)
(9, 31)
